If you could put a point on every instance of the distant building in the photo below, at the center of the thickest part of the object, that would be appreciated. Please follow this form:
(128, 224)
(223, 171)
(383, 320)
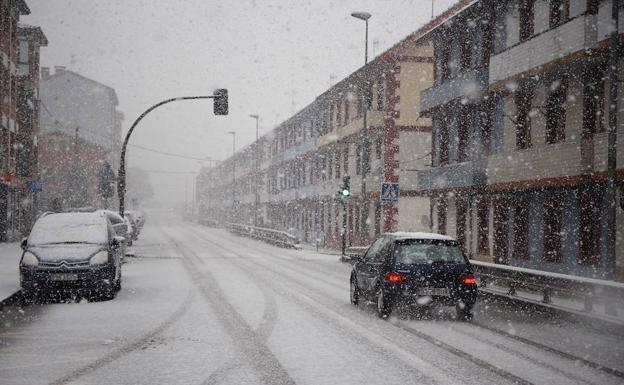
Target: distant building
(520, 108)
(80, 132)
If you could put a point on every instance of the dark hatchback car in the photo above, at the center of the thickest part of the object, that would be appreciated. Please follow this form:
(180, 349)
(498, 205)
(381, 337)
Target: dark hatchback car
(71, 252)
(419, 269)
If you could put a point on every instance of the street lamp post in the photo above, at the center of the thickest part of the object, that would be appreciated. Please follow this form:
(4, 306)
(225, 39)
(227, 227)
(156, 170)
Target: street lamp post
(365, 143)
(233, 133)
(364, 16)
(256, 174)
(220, 98)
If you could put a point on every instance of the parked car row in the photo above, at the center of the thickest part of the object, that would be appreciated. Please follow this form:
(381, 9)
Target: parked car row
(76, 251)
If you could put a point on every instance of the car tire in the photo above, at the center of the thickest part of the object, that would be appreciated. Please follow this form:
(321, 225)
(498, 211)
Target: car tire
(354, 293)
(384, 307)
(117, 288)
(130, 242)
(463, 311)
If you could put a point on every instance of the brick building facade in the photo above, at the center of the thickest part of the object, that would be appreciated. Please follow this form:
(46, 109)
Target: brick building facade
(19, 68)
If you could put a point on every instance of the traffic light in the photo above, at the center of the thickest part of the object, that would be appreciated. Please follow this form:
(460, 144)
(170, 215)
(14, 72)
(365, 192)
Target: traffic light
(220, 105)
(345, 190)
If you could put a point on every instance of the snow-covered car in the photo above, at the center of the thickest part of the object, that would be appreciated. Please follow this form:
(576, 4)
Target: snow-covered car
(133, 218)
(71, 252)
(121, 227)
(419, 269)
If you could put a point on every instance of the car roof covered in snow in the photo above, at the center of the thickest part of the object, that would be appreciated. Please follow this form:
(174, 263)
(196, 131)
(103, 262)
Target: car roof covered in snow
(419, 235)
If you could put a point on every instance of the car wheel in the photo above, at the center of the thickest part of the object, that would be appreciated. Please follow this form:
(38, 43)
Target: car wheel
(384, 307)
(463, 311)
(130, 242)
(354, 293)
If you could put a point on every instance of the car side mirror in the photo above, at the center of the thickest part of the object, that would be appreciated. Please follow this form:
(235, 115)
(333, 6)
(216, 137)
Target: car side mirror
(24, 243)
(117, 241)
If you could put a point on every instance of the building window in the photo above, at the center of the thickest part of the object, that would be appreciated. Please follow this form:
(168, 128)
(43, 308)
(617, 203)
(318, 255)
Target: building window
(347, 114)
(378, 147)
(555, 112)
(590, 204)
(527, 19)
(559, 12)
(486, 114)
(345, 159)
(324, 168)
(339, 113)
(443, 144)
(463, 134)
(329, 166)
(552, 228)
(465, 58)
(524, 100)
(462, 215)
(331, 116)
(445, 61)
(594, 102)
(488, 39)
(360, 106)
(337, 160)
(483, 225)
(358, 159)
(441, 208)
(521, 229)
(381, 94)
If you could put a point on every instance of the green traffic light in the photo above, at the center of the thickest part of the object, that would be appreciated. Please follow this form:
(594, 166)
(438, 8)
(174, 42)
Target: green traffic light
(345, 193)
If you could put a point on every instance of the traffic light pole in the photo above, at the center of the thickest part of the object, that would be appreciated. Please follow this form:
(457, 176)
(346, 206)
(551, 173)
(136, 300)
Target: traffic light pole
(344, 229)
(121, 182)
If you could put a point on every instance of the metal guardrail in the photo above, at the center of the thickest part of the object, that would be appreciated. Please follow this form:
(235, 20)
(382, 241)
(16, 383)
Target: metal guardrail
(274, 237)
(588, 291)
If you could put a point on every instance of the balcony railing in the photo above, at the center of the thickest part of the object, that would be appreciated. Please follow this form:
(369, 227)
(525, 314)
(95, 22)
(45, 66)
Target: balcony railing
(459, 175)
(469, 84)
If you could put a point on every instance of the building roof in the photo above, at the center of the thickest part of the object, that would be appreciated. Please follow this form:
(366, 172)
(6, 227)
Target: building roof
(65, 72)
(32, 33)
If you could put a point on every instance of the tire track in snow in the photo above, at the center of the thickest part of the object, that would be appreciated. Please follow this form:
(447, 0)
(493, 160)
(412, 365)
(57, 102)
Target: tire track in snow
(248, 341)
(130, 347)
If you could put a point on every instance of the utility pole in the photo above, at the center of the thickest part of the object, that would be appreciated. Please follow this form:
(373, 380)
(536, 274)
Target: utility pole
(256, 174)
(233, 133)
(614, 56)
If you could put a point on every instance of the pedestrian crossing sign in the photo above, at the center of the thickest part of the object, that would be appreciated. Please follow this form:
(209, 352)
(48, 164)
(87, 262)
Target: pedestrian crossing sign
(390, 192)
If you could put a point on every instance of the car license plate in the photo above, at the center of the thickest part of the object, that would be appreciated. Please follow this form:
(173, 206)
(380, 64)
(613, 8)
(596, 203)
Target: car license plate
(64, 277)
(434, 291)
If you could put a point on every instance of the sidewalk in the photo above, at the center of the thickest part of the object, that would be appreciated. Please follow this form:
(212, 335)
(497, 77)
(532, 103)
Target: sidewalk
(10, 254)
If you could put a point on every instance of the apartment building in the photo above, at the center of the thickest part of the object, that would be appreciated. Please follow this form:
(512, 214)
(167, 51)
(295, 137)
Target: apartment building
(19, 50)
(31, 39)
(520, 108)
(367, 127)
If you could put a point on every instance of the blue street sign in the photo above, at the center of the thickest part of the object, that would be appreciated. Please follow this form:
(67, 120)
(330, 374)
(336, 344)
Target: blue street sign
(390, 192)
(34, 185)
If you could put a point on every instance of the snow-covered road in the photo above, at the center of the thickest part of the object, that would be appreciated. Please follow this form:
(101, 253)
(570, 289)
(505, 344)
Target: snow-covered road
(202, 306)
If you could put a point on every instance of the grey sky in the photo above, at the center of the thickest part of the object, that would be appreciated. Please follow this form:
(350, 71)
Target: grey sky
(274, 57)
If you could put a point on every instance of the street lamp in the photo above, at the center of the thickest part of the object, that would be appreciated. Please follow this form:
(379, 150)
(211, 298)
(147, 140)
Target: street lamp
(365, 143)
(256, 176)
(364, 16)
(233, 133)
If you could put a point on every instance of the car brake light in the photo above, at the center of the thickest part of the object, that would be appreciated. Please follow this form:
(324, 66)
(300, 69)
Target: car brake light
(394, 277)
(468, 280)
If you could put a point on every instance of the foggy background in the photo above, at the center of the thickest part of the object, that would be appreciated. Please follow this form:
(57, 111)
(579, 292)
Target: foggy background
(274, 56)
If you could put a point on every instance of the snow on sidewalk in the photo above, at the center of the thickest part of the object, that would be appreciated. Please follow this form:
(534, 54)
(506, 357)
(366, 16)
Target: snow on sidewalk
(10, 254)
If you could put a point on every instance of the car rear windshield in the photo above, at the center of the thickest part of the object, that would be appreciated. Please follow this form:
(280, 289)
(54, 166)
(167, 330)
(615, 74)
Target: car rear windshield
(68, 228)
(428, 252)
